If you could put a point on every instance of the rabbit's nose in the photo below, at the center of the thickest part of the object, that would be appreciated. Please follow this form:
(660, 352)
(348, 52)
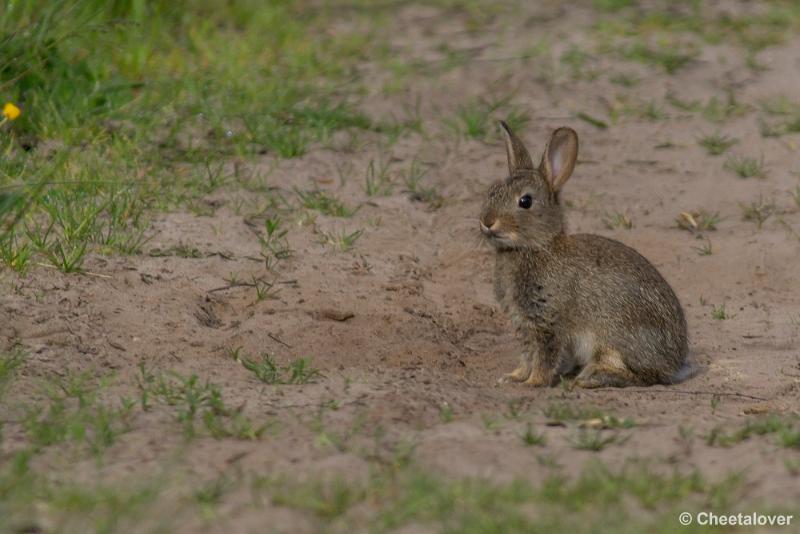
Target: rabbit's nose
(488, 225)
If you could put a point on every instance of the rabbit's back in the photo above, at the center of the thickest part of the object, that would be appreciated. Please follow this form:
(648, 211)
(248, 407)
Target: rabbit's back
(608, 273)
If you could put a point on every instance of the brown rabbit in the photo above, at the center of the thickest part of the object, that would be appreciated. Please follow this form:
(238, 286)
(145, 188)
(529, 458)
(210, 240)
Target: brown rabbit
(579, 302)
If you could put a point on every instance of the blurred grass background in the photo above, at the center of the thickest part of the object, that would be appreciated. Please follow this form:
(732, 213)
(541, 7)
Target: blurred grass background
(126, 103)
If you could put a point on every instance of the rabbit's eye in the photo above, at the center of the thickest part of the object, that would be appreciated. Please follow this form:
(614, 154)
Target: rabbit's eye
(525, 201)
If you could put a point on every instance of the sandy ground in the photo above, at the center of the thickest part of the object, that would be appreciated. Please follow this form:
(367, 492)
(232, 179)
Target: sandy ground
(422, 335)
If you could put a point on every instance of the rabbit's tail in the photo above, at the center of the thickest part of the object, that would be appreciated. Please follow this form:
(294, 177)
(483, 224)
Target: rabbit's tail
(686, 372)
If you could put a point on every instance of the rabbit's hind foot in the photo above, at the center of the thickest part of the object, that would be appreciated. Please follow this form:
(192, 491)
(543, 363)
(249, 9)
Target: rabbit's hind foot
(606, 370)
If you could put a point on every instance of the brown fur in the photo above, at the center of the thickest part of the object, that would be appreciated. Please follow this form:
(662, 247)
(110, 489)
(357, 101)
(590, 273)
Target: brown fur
(580, 303)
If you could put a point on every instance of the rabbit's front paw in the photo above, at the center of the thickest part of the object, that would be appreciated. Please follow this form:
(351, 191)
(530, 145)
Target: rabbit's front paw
(520, 374)
(539, 379)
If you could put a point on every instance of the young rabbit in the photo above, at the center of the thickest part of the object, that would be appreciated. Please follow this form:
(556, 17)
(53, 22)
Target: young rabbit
(579, 302)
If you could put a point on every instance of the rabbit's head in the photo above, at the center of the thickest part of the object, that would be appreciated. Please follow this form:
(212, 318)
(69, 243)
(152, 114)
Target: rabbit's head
(524, 209)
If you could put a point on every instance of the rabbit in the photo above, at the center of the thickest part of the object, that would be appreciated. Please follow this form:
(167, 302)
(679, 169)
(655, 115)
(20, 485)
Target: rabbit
(580, 303)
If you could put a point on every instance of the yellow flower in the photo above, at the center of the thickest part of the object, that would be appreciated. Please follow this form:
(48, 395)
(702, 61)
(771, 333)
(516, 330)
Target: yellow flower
(10, 111)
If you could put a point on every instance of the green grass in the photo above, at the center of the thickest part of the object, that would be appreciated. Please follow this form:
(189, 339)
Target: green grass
(716, 143)
(706, 249)
(612, 6)
(594, 121)
(297, 371)
(668, 56)
(326, 499)
(714, 110)
(10, 363)
(787, 125)
(95, 425)
(445, 413)
(624, 79)
(340, 241)
(599, 499)
(211, 493)
(413, 180)
(181, 250)
(74, 412)
(517, 118)
(623, 106)
(560, 413)
(74, 417)
(516, 408)
(720, 313)
(752, 31)
(475, 119)
(758, 211)
(779, 106)
(393, 493)
(31, 501)
(786, 430)
(196, 404)
(616, 220)
(577, 63)
(490, 422)
(684, 105)
(265, 290)
(769, 129)
(698, 221)
(143, 122)
(325, 203)
(746, 167)
(377, 180)
(530, 437)
(594, 440)
(274, 244)
(651, 111)
(719, 110)
(472, 120)
(600, 485)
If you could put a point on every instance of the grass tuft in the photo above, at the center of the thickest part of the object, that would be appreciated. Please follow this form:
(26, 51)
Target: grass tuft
(377, 180)
(746, 167)
(698, 221)
(298, 371)
(720, 313)
(413, 181)
(716, 143)
(758, 211)
(616, 220)
(341, 241)
(667, 56)
(10, 363)
(325, 203)
(530, 437)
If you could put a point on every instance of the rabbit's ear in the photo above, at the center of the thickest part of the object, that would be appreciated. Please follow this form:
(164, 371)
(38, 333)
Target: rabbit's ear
(559, 157)
(518, 156)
